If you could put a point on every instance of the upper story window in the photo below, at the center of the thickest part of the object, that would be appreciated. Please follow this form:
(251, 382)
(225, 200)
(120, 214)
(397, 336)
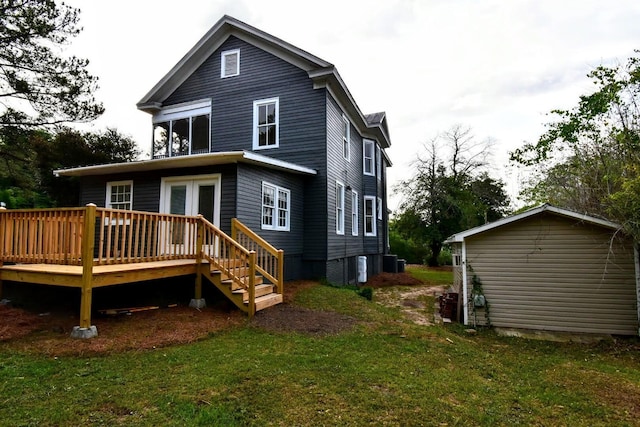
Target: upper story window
(230, 63)
(265, 123)
(368, 157)
(339, 207)
(119, 195)
(379, 208)
(369, 216)
(346, 138)
(276, 207)
(379, 161)
(182, 129)
(354, 213)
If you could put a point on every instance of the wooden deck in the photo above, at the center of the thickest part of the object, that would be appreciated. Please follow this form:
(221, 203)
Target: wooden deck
(103, 275)
(94, 247)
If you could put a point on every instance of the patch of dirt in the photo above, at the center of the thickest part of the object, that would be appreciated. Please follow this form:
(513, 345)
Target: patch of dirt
(35, 330)
(412, 301)
(289, 318)
(49, 333)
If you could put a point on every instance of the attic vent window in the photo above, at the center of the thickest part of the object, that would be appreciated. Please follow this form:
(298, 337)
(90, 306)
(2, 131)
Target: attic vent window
(230, 64)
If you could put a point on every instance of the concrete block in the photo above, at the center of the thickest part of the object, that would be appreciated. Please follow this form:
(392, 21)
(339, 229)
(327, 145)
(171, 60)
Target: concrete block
(89, 332)
(197, 303)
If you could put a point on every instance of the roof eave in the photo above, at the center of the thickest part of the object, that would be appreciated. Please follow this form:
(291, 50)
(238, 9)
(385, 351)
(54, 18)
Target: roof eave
(459, 237)
(186, 161)
(211, 41)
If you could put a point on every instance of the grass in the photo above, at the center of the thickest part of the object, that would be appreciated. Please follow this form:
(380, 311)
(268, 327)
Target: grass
(385, 371)
(434, 277)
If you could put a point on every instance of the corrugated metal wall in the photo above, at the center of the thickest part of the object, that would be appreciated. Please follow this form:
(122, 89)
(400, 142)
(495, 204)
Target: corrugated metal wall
(552, 273)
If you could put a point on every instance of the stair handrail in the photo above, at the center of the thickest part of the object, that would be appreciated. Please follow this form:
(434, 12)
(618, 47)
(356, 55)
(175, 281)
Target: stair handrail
(229, 257)
(273, 271)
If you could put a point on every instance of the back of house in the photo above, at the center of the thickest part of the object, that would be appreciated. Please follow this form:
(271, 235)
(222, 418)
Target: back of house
(249, 126)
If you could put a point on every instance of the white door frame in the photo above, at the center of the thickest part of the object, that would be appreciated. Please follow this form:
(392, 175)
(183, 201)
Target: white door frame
(191, 182)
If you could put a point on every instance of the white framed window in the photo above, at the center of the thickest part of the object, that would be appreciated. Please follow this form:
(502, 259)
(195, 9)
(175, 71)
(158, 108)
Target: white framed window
(346, 138)
(369, 216)
(276, 207)
(230, 63)
(119, 195)
(265, 123)
(379, 162)
(182, 129)
(339, 207)
(379, 208)
(354, 213)
(368, 157)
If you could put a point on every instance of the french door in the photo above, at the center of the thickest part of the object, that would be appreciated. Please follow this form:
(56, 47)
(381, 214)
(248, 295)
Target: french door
(189, 196)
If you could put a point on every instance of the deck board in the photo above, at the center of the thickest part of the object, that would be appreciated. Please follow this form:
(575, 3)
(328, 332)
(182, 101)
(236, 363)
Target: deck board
(103, 275)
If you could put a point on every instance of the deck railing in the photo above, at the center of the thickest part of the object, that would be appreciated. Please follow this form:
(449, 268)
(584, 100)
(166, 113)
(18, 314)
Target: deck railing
(43, 236)
(92, 236)
(54, 236)
(124, 237)
(269, 260)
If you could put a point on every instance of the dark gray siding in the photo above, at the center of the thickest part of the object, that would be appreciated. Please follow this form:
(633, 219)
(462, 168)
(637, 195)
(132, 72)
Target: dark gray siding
(262, 75)
(146, 189)
(249, 206)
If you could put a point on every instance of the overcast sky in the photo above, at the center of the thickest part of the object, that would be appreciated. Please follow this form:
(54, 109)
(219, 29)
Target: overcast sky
(497, 66)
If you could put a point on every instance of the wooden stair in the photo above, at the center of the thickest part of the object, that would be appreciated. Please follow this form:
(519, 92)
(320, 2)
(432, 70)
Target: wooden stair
(265, 296)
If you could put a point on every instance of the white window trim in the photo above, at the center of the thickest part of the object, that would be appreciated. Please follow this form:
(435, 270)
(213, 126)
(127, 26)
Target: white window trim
(355, 213)
(181, 111)
(276, 208)
(372, 160)
(256, 104)
(223, 57)
(340, 216)
(346, 139)
(373, 216)
(110, 186)
(379, 208)
(378, 162)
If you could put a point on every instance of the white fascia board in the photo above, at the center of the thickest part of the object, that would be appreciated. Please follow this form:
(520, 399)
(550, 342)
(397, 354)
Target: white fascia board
(211, 41)
(194, 160)
(459, 237)
(251, 157)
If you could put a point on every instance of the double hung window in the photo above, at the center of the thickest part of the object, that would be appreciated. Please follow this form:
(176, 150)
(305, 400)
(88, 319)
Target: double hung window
(369, 216)
(339, 207)
(119, 195)
(368, 156)
(346, 138)
(276, 207)
(265, 123)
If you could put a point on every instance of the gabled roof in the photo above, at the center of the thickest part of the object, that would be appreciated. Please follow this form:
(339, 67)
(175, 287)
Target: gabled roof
(323, 73)
(459, 237)
(194, 160)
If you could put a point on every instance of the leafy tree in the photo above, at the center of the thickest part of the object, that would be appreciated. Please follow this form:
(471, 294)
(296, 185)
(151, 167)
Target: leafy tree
(588, 160)
(26, 172)
(38, 86)
(449, 192)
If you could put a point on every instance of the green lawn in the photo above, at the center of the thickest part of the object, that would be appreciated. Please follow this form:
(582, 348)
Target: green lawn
(431, 276)
(385, 371)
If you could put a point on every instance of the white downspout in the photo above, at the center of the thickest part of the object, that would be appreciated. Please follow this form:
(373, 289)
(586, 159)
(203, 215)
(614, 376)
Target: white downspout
(464, 282)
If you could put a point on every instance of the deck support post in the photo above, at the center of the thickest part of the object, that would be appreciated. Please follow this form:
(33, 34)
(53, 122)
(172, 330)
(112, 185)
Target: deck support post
(198, 302)
(86, 330)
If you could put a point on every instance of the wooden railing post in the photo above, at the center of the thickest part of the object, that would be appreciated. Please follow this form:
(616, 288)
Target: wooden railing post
(88, 242)
(252, 284)
(280, 284)
(199, 244)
